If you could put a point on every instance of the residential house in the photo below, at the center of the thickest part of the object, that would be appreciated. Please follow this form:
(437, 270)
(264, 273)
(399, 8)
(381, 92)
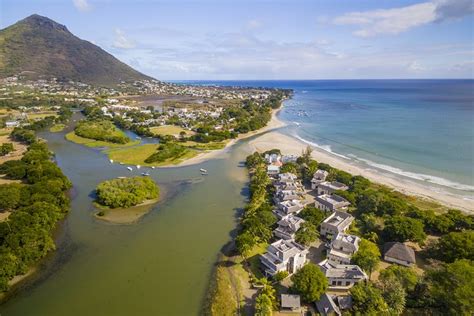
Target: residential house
(399, 253)
(343, 246)
(288, 226)
(342, 276)
(273, 170)
(337, 222)
(331, 203)
(287, 195)
(327, 307)
(288, 207)
(12, 123)
(271, 158)
(318, 177)
(289, 158)
(327, 187)
(284, 255)
(290, 303)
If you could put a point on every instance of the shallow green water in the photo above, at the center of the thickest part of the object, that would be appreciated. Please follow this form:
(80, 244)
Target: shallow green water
(159, 266)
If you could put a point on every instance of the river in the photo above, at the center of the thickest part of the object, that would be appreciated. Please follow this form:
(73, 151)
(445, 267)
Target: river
(158, 266)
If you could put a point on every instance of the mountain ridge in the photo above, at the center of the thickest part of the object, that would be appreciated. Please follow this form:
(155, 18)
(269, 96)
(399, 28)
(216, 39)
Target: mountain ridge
(44, 48)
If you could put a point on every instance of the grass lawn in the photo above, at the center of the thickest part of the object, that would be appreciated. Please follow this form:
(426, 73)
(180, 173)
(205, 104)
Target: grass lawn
(96, 143)
(170, 130)
(38, 116)
(5, 131)
(205, 146)
(253, 259)
(136, 155)
(57, 128)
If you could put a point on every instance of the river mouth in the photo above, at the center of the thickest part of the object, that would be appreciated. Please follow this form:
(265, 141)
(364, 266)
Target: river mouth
(148, 267)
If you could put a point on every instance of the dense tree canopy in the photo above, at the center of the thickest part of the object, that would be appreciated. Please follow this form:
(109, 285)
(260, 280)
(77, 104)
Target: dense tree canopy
(456, 245)
(368, 300)
(368, 256)
(25, 237)
(403, 229)
(452, 287)
(103, 130)
(306, 234)
(309, 282)
(126, 192)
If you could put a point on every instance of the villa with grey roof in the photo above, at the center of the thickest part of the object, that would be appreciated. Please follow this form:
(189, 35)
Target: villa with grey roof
(318, 177)
(283, 255)
(337, 222)
(327, 187)
(288, 227)
(331, 203)
(288, 207)
(343, 246)
(342, 276)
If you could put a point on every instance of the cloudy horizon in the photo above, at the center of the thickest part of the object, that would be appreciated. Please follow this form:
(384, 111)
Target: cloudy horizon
(251, 40)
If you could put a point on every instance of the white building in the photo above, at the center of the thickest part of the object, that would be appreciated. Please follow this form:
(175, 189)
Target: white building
(288, 207)
(318, 177)
(331, 203)
(343, 246)
(330, 187)
(273, 170)
(287, 227)
(342, 276)
(337, 222)
(283, 255)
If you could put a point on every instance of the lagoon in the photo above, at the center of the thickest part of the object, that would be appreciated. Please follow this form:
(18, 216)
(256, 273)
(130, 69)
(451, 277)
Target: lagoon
(158, 266)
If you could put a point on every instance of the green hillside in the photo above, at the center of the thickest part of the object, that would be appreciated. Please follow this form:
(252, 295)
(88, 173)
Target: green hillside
(39, 47)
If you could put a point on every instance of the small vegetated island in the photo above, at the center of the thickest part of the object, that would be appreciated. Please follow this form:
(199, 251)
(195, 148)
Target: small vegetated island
(98, 133)
(124, 200)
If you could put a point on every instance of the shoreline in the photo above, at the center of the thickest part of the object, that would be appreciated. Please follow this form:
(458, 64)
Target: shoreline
(291, 145)
(273, 124)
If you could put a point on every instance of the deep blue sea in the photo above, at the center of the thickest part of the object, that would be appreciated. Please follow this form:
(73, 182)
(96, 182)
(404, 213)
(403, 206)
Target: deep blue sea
(419, 129)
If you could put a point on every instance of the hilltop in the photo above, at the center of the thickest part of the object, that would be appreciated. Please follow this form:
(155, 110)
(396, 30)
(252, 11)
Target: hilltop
(42, 48)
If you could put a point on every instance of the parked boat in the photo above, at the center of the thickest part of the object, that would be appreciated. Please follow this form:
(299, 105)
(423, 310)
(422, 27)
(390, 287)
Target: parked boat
(145, 174)
(111, 161)
(152, 167)
(129, 168)
(138, 166)
(203, 170)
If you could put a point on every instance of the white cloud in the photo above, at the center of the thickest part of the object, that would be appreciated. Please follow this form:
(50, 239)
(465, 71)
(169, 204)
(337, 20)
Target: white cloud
(121, 40)
(82, 5)
(247, 56)
(415, 66)
(398, 20)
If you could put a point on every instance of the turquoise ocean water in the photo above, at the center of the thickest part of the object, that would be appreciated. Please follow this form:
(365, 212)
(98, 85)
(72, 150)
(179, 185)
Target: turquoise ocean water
(422, 130)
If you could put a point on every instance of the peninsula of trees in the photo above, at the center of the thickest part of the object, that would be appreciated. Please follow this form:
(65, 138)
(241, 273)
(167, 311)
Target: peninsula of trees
(35, 205)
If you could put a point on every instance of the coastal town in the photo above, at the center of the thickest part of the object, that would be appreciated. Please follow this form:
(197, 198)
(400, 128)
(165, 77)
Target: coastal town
(121, 194)
(311, 244)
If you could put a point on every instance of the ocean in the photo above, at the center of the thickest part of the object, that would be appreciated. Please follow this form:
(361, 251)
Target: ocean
(422, 130)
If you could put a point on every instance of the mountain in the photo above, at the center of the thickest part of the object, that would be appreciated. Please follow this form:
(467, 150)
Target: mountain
(43, 48)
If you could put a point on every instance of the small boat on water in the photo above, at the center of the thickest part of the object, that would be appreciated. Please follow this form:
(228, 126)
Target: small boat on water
(203, 170)
(145, 174)
(111, 161)
(138, 166)
(152, 167)
(129, 168)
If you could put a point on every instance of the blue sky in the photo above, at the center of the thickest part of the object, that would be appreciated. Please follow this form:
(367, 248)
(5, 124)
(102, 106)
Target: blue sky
(271, 39)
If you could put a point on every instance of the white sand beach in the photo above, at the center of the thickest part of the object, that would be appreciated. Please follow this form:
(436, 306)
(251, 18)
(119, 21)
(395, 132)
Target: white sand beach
(291, 145)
